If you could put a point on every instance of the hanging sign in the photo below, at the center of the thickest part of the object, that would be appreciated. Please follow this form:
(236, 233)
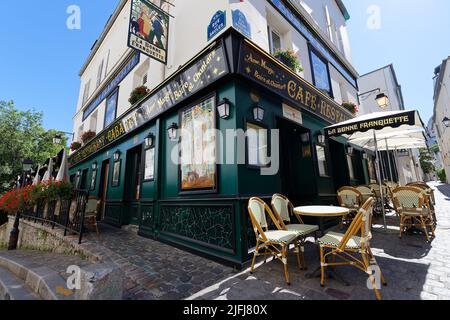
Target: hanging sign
(217, 24)
(148, 30)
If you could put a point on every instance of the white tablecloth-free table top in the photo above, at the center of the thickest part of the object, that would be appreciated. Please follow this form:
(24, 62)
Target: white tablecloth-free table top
(321, 211)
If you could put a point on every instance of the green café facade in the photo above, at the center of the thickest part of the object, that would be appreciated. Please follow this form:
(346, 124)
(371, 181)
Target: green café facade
(161, 167)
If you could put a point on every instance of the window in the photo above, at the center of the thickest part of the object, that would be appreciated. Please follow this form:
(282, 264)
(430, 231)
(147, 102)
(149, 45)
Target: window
(86, 91)
(116, 173)
(100, 73)
(111, 108)
(322, 161)
(257, 145)
(351, 170)
(149, 168)
(198, 170)
(274, 40)
(84, 177)
(321, 73)
(93, 180)
(93, 122)
(144, 79)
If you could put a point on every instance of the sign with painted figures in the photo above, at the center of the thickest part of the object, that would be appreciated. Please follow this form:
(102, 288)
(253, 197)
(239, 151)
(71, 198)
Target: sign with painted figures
(149, 30)
(217, 24)
(268, 72)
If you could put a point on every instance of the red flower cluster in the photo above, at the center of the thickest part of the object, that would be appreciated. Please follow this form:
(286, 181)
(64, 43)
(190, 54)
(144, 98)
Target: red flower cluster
(17, 199)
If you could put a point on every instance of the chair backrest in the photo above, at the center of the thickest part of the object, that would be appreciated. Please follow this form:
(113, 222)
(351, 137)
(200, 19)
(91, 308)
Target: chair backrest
(408, 198)
(282, 207)
(257, 210)
(349, 197)
(376, 189)
(361, 226)
(92, 206)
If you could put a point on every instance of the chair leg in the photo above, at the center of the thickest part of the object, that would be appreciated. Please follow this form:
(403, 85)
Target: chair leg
(297, 250)
(252, 268)
(322, 267)
(372, 257)
(371, 277)
(425, 229)
(302, 248)
(285, 264)
(401, 225)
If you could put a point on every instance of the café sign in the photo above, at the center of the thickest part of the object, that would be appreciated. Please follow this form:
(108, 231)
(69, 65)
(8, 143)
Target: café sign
(265, 70)
(211, 66)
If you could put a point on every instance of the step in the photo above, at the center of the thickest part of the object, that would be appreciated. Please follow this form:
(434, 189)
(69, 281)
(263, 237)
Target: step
(13, 288)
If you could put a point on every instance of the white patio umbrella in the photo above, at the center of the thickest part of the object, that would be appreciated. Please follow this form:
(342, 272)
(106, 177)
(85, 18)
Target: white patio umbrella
(390, 129)
(63, 173)
(48, 173)
(37, 178)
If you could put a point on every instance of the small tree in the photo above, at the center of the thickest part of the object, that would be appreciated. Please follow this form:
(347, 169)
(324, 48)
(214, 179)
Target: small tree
(442, 176)
(426, 161)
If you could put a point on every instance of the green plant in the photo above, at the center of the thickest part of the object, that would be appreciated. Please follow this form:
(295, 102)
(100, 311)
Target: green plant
(426, 161)
(350, 106)
(442, 176)
(75, 146)
(290, 59)
(137, 94)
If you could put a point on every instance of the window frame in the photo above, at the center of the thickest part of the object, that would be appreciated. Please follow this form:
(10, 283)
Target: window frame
(271, 30)
(144, 160)
(350, 160)
(312, 51)
(327, 160)
(247, 158)
(214, 190)
(119, 163)
(106, 108)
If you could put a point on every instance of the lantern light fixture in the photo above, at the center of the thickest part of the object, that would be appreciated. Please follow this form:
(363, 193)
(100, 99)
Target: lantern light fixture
(117, 155)
(94, 166)
(27, 165)
(223, 109)
(258, 113)
(173, 132)
(350, 150)
(382, 100)
(149, 140)
(365, 156)
(304, 137)
(321, 139)
(57, 139)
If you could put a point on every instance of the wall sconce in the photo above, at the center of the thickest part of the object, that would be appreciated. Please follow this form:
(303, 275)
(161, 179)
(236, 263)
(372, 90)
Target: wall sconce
(365, 155)
(382, 100)
(94, 166)
(446, 122)
(78, 173)
(223, 108)
(173, 131)
(321, 139)
(305, 138)
(117, 155)
(149, 141)
(350, 150)
(258, 113)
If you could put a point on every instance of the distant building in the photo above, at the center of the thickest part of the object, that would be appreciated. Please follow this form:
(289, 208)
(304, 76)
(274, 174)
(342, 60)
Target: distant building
(442, 111)
(406, 166)
(432, 140)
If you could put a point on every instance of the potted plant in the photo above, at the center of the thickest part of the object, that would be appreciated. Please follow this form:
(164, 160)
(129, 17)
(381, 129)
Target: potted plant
(137, 94)
(75, 146)
(290, 59)
(88, 136)
(350, 106)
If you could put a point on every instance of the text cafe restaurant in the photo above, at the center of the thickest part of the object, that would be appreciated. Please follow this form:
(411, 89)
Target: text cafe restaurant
(152, 167)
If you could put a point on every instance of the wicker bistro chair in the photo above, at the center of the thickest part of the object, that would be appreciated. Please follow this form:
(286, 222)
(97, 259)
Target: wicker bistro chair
(376, 190)
(346, 246)
(366, 193)
(273, 242)
(91, 212)
(411, 204)
(350, 198)
(429, 197)
(283, 210)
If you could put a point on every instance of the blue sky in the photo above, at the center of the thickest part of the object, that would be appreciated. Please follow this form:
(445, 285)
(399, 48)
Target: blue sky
(40, 58)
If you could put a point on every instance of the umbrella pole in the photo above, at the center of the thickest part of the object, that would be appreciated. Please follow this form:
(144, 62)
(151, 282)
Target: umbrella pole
(389, 160)
(397, 166)
(379, 180)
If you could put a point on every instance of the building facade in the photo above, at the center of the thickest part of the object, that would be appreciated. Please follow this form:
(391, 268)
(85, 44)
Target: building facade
(174, 164)
(405, 166)
(442, 111)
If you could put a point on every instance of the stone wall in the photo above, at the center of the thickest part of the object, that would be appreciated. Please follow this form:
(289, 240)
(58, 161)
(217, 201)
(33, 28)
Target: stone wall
(35, 236)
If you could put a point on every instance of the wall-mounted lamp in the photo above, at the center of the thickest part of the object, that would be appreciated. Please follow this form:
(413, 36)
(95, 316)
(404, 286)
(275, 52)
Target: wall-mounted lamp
(117, 155)
(446, 122)
(94, 166)
(57, 139)
(365, 156)
(321, 139)
(258, 113)
(223, 108)
(304, 138)
(149, 141)
(382, 100)
(173, 131)
(78, 173)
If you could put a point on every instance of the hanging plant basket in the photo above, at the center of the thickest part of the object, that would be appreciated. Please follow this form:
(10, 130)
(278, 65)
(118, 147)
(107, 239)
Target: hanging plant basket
(87, 136)
(350, 106)
(75, 146)
(290, 59)
(137, 94)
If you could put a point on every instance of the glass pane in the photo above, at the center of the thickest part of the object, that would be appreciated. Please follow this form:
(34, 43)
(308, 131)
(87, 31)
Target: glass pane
(149, 164)
(276, 42)
(322, 161)
(257, 145)
(111, 107)
(320, 72)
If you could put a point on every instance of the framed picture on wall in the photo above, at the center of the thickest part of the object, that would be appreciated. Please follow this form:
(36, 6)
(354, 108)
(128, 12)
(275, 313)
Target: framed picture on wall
(116, 173)
(198, 168)
(149, 166)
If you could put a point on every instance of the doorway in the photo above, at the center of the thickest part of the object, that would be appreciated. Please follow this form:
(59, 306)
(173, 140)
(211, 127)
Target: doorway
(132, 191)
(297, 172)
(340, 171)
(103, 191)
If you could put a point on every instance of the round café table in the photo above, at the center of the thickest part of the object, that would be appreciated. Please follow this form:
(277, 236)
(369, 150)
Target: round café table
(322, 212)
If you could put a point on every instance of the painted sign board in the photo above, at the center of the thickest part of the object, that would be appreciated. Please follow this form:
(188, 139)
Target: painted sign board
(217, 24)
(240, 23)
